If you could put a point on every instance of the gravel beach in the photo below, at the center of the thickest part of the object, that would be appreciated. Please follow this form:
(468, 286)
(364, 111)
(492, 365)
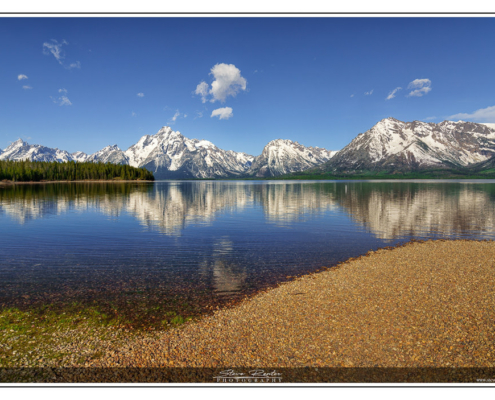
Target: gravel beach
(417, 307)
(429, 304)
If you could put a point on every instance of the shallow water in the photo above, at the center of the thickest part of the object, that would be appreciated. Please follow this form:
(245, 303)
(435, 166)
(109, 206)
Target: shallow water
(188, 245)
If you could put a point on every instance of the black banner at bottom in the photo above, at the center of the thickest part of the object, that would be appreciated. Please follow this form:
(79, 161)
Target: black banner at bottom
(258, 376)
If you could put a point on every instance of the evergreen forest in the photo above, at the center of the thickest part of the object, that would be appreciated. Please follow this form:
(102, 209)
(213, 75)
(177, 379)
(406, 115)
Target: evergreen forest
(36, 171)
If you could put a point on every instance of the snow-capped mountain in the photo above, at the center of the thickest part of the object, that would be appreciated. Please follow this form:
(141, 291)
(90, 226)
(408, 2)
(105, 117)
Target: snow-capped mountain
(20, 150)
(169, 154)
(80, 156)
(280, 157)
(397, 145)
(109, 154)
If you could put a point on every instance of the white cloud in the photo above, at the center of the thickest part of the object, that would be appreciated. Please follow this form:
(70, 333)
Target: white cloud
(369, 93)
(199, 114)
(55, 48)
(222, 113)
(419, 92)
(419, 83)
(391, 95)
(227, 82)
(481, 115)
(176, 116)
(352, 95)
(420, 86)
(21, 77)
(76, 64)
(27, 87)
(133, 114)
(202, 90)
(64, 101)
(140, 95)
(430, 118)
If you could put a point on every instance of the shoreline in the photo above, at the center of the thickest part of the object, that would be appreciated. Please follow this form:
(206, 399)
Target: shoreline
(381, 287)
(354, 180)
(423, 305)
(11, 183)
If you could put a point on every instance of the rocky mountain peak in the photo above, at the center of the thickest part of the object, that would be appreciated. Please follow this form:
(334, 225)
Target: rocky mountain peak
(170, 155)
(386, 124)
(166, 132)
(113, 147)
(283, 156)
(21, 150)
(390, 120)
(18, 143)
(79, 156)
(397, 145)
(279, 141)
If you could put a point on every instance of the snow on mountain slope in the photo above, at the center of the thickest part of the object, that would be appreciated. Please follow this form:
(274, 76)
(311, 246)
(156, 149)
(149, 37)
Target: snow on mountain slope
(393, 144)
(389, 145)
(80, 156)
(280, 157)
(169, 154)
(109, 154)
(20, 150)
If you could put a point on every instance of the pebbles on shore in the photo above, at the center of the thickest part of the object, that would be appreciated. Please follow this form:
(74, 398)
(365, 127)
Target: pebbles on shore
(394, 315)
(429, 304)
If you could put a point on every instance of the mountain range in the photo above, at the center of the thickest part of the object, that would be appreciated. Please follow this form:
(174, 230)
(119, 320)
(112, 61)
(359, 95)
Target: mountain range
(170, 155)
(390, 146)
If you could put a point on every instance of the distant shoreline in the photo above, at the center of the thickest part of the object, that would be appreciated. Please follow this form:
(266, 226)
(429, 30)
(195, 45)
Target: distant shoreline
(340, 178)
(10, 183)
(5, 183)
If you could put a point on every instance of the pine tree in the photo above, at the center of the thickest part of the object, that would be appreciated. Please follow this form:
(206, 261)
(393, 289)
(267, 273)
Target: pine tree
(19, 171)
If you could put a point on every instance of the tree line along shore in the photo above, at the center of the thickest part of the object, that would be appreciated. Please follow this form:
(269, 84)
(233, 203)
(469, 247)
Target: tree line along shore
(37, 171)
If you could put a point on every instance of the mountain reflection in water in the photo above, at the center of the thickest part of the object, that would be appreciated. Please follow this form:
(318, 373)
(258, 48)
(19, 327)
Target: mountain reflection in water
(200, 243)
(389, 210)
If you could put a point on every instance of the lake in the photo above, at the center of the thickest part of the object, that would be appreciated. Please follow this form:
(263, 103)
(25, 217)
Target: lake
(149, 251)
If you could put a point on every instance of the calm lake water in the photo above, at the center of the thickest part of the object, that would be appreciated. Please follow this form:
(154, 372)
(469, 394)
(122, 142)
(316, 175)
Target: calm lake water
(187, 245)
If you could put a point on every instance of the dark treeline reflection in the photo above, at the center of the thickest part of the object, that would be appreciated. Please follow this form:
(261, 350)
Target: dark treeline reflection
(387, 209)
(30, 201)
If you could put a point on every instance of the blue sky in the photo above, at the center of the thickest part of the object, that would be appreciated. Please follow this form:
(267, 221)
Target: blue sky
(74, 83)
